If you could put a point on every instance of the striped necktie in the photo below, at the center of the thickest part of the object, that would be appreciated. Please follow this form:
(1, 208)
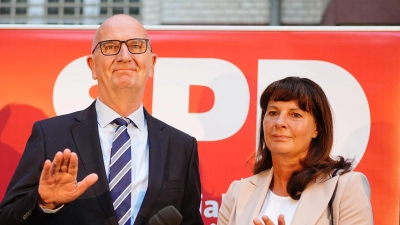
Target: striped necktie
(120, 172)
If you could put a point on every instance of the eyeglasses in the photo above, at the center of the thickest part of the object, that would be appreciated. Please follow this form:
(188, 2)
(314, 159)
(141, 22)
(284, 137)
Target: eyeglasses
(112, 47)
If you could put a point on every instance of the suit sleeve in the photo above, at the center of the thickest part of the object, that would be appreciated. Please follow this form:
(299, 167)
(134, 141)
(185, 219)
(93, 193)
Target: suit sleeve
(192, 194)
(228, 203)
(20, 205)
(355, 205)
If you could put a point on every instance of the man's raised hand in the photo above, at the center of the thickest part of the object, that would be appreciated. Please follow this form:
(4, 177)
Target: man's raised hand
(58, 184)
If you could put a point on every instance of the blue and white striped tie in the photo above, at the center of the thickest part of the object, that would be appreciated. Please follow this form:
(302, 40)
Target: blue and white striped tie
(120, 172)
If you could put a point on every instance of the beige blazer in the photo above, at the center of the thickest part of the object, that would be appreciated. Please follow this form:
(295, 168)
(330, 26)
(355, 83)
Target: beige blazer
(244, 199)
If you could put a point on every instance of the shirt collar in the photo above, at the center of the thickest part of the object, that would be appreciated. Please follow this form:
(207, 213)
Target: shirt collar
(105, 115)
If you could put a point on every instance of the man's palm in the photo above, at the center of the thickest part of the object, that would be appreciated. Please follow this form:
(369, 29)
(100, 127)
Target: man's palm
(58, 184)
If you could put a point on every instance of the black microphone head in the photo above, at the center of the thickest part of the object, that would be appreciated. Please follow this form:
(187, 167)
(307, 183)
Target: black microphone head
(166, 216)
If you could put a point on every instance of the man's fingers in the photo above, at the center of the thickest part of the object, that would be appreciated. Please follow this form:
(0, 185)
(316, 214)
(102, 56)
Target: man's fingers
(73, 164)
(65, 160)
(45, 171)
(56, 164)
(88, 181)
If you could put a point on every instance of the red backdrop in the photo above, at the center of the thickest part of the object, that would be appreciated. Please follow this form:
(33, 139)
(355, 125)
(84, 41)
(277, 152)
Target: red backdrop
(32, 59)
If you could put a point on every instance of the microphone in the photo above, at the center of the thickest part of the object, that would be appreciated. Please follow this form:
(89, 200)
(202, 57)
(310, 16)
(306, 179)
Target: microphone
(166, 216)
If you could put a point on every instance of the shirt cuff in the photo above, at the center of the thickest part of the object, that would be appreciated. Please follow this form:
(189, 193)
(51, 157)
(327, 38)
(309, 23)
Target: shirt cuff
(52, 210)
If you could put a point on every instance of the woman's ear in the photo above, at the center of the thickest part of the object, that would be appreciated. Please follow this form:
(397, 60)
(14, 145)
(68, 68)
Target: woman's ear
(315, 134)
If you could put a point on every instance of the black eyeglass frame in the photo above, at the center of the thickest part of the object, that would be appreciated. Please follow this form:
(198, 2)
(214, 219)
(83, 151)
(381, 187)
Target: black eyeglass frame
(122, 42)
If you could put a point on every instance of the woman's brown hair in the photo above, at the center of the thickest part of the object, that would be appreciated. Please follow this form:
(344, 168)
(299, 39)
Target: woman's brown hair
(317, 163)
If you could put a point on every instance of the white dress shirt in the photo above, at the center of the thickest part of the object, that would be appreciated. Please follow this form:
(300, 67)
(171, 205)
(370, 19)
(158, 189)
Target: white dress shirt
(139, 148)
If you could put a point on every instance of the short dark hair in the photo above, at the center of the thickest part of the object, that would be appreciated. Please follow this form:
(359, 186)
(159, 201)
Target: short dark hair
(317, 163)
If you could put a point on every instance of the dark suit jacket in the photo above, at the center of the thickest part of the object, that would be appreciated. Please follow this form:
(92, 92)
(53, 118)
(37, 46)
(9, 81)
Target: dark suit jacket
(173, 174)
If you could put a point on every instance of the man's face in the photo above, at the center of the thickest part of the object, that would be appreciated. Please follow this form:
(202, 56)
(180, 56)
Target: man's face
(124, 72)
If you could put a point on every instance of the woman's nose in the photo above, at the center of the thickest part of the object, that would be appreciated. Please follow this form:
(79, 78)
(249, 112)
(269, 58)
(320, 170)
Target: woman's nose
(280, 121)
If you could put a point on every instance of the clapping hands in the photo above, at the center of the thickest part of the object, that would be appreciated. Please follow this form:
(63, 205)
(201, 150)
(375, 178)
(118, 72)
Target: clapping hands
(267, 221)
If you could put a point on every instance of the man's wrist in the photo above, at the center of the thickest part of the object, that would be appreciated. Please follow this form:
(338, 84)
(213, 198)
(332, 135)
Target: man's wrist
(47, 205)
(50, 206)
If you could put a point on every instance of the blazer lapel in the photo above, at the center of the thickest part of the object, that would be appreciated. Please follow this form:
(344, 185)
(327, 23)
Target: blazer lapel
(314, 198)
(251, 197)
(86, 137)
(158, 147)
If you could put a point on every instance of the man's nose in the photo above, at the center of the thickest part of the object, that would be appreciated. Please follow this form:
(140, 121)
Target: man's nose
(124, 52)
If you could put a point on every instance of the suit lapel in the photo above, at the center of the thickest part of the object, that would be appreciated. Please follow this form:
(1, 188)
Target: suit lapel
(314, 198)
(158, 147)
(86, 137)
(251, 197)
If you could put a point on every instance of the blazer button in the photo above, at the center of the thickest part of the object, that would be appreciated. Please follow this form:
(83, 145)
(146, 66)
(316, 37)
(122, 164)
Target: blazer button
(27, 214)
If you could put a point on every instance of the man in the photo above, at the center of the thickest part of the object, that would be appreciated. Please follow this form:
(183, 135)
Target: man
(162, 164)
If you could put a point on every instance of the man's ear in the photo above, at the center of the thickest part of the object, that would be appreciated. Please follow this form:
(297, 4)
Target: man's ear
(153, 64)
(90, 63)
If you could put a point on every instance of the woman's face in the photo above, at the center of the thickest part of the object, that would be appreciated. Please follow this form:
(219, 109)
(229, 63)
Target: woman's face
(288, 130)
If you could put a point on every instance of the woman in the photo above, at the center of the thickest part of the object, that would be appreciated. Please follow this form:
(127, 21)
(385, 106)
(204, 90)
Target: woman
(295, 180)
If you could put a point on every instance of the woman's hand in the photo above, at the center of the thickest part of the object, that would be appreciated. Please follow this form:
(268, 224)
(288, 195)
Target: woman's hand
(267, 221)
